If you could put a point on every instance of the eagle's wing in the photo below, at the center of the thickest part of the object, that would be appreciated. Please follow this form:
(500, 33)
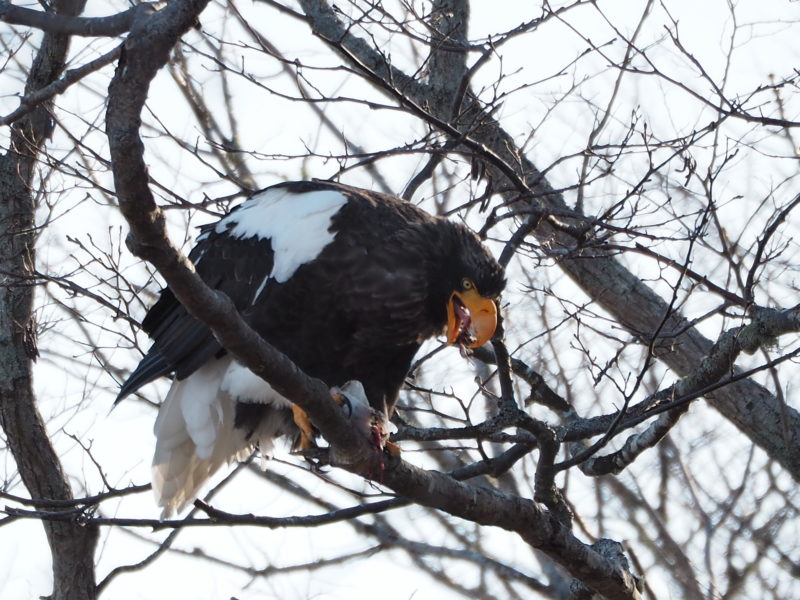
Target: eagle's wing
(263, 240)
(181, 343)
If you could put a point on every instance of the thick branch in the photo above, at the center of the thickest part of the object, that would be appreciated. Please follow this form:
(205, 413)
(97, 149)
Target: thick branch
(146, 51)
(536, 526)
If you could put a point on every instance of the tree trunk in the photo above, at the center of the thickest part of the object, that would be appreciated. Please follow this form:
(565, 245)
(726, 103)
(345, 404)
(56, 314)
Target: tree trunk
(72, 545)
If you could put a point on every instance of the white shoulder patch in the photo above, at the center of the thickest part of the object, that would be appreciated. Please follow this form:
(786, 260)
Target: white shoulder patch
(297, 224)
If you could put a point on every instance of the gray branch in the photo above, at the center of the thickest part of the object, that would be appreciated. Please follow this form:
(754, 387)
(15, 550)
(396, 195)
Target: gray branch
(30, 101)
(766, 327)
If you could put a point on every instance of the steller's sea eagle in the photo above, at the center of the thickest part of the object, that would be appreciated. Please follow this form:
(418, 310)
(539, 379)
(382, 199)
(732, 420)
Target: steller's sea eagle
(346, 282)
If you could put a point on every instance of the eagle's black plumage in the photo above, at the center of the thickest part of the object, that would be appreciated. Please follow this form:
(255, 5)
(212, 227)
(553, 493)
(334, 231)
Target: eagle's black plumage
(358, 310)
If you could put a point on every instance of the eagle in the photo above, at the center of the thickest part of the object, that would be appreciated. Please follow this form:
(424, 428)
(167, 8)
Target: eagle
(348, 283)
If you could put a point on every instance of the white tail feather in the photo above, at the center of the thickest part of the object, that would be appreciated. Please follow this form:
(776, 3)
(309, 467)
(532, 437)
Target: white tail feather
(194, 430)
(194, 436)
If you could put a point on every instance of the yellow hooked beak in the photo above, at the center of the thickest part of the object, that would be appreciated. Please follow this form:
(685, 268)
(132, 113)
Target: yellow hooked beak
(471, 318)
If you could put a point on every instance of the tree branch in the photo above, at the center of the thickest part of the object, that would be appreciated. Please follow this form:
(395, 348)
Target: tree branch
(71, 546)
(56, 22)
(30, 101)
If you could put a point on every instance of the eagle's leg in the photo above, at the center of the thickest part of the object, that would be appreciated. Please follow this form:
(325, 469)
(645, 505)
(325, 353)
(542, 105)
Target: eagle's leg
(305, 440)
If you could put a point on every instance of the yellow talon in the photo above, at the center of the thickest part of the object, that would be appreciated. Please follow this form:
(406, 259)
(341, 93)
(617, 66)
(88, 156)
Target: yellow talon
(392, 449)
(305, 441)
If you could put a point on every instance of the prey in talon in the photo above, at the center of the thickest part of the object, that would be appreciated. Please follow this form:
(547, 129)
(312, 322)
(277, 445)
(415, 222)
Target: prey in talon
(353, 399)
(368, 421)
(365, 419)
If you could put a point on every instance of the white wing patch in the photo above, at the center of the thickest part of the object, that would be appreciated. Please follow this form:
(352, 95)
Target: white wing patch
(298, 225)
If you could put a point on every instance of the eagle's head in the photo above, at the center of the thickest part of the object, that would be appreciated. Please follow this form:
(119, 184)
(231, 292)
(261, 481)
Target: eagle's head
(469, 283)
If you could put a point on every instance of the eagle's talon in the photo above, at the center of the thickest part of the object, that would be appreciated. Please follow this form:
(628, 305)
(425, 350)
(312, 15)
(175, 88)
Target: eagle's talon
(392, 449)
(316, 457)
(305, 440)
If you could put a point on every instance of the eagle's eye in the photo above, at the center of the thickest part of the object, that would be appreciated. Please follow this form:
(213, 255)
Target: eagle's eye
(467, 285)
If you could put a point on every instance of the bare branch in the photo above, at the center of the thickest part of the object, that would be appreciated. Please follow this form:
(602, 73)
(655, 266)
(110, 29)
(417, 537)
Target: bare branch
(52, 22)
(30, 101)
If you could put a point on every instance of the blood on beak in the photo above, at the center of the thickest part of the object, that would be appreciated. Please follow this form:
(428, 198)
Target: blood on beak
(471, 319)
